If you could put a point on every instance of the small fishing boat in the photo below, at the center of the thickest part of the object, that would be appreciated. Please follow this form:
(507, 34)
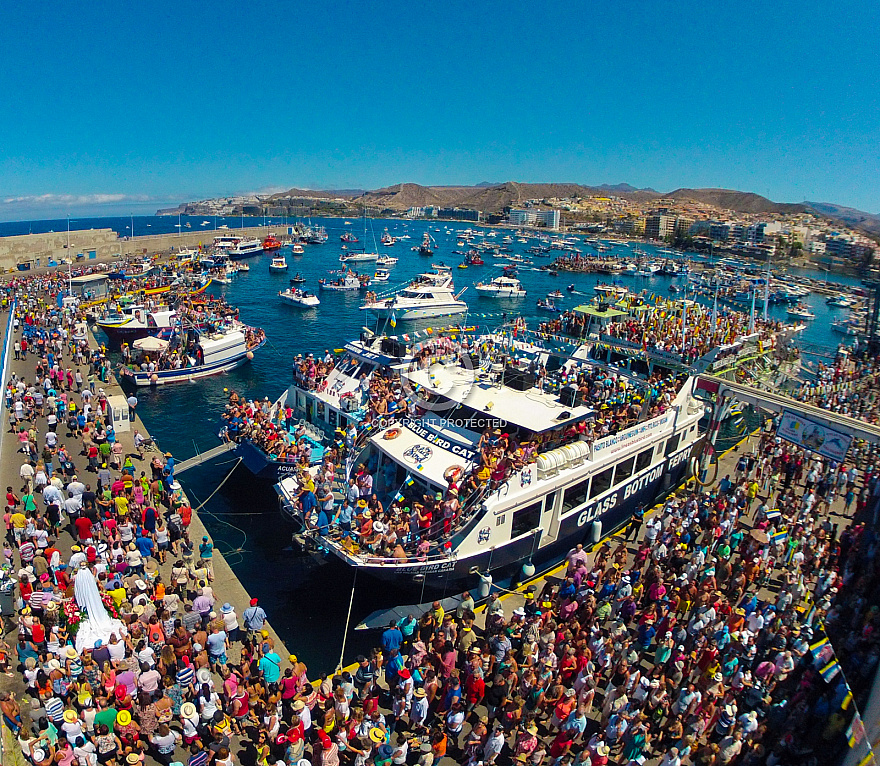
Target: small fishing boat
(348, 237)
(297, 249)
(299, 279)
(279, 263)
(300, 298)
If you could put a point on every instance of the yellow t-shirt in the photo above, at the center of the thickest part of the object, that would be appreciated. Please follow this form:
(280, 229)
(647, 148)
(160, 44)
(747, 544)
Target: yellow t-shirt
(121, 505)
(19, 520)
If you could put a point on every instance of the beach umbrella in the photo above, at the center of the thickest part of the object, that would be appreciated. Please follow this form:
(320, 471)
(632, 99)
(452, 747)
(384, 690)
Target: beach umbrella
(150, 344)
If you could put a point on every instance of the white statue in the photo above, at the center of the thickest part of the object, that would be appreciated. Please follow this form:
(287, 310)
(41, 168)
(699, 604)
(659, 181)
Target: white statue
(99, 624)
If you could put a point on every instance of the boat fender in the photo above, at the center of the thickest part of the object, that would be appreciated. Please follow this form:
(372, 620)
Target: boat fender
(485, 585)
(596, 531)
(453, 473)
(391, 433)
(528, 570)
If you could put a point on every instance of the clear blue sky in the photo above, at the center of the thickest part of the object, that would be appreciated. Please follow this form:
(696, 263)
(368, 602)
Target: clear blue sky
(146, 102)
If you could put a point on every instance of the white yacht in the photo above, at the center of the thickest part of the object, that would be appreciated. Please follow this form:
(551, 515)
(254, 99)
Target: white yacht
(386, 260)
(279, 263)
(301, 298)
(358, 257)
(429, 295)
(381, 275)
(501, 287)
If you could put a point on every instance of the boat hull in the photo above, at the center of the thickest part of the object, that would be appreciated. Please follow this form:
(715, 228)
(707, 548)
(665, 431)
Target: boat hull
(298, 303)
(188, 374)
(423, 312)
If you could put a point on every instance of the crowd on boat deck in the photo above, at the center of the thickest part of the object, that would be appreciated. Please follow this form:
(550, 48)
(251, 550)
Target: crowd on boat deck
(176, 356)
(665, 329)
(847, 386)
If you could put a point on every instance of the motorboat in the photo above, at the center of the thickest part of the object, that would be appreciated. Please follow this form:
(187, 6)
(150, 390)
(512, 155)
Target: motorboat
(348, 281)
(545, 304)
(299, 279)
(426, 247)
(301, 298)
(271, 244)
(611, 292)
(279, 263)
(381, 275)
(317, 236)
(847, 327)
(799, 311)
(386, 260)
(245, 248)
(501, 287)
(555, 294)
(429, 295)
(297, 249)
(348, 236)
(386, 239)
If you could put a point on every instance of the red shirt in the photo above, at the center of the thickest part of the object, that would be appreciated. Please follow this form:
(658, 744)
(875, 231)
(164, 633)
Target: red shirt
(83, 528)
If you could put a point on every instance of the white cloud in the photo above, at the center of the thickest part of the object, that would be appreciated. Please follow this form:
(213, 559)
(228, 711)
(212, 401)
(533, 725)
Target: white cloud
(60, 200)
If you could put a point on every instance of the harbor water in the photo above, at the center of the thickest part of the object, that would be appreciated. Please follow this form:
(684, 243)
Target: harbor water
(305, 595)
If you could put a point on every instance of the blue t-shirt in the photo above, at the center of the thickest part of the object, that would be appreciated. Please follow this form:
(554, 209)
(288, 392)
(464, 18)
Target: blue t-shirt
(217, 643)
(270, 665)
(145, 546)
(392, 639)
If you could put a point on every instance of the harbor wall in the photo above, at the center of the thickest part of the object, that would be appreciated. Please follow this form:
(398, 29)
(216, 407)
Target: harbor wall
(50, 249)
(41, 250)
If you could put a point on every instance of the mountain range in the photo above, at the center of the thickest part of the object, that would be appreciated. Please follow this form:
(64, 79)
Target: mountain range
(490, 197)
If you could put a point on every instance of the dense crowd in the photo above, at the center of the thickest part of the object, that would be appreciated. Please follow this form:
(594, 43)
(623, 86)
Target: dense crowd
(685, 640)
(688, 332)
(847, 386)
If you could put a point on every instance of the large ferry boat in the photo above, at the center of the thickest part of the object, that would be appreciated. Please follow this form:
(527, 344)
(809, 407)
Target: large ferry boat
(245, 248)
(542, 447)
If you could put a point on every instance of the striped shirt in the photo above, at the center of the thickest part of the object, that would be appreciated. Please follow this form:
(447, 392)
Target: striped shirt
(185, 676)
(55, 710)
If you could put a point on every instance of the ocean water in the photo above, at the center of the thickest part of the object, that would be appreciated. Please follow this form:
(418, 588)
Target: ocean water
(305, 596)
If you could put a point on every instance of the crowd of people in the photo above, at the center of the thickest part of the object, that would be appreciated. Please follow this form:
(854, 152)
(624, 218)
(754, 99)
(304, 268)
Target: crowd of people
(668, 327)
(685, 640)
(848, 386)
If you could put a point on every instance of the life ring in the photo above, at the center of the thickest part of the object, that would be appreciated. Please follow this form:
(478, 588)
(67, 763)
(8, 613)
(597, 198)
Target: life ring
(391, 433)
(453, 473)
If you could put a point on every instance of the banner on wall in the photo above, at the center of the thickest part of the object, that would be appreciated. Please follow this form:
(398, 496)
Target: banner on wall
(814, 436)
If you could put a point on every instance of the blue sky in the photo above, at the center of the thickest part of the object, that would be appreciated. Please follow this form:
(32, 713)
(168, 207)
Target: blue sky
(119, 107)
